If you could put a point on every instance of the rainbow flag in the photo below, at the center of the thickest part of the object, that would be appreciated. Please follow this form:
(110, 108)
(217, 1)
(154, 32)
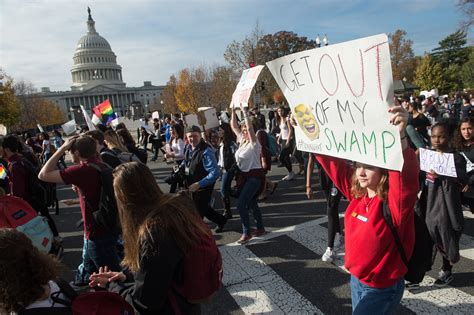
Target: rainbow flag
(3, 172)
(104, 111)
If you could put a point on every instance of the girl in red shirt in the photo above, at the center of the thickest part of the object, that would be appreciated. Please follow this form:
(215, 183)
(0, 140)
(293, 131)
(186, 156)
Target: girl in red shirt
(372, 257)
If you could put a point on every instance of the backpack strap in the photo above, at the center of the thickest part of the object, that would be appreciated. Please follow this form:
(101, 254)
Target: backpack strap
(388, 218)
(66, 290)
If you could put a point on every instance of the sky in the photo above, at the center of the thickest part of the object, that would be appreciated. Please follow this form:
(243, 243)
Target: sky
(155, 39)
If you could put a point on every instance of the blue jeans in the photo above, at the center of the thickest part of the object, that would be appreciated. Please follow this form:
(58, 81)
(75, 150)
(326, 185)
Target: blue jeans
(227, 178)
(248, 200)
(98, 253)
(368, 300)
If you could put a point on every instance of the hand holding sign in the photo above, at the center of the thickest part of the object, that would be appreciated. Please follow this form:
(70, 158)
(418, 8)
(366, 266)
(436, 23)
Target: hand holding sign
(244, 87)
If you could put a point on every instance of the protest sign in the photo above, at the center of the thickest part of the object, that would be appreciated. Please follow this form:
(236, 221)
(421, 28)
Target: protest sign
(40, 127)
(3, 130)
(441, 163)
(70, 127)
(89, 123)
(340, 96)
(155, 115)
(242, 92)
(206, 117)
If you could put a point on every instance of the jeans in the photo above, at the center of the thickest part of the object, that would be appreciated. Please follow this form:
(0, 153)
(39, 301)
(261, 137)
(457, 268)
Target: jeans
(96, 253)
(248, 200)
(368, 300)
(227, 178)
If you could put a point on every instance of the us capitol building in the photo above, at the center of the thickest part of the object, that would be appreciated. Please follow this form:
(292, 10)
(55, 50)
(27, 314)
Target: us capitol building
(96, 76)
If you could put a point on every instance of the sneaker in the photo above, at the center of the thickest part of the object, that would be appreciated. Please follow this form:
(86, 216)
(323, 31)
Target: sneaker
(244, 239)
(77, 286)
(338, 242)
(290, 176)
(445, 277)
(412, 286)
(328, 255)
(257, 233)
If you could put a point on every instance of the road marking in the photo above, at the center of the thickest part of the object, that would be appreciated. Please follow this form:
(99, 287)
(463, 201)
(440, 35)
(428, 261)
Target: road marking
(257, 288)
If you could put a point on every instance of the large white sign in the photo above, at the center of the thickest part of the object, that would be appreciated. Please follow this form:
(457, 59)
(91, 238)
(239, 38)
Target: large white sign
(340, 96)
(242, 92)
(205, 117)
(70, 127)
(440, 163)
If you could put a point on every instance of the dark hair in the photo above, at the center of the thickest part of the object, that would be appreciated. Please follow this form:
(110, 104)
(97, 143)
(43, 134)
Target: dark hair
(271, 115)
(459, 142)
(12, 143)
(97, 135)
(126, 137)
(86, 146)
(179, 130)
(120, 126)
(45, 135)
(24, 270)
(229, 135)
(58, 133)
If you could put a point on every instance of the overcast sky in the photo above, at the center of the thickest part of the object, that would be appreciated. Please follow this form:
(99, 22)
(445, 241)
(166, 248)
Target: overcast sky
(154, 39)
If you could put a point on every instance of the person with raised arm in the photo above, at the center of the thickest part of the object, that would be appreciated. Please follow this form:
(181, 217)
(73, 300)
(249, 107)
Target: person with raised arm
(377, 276)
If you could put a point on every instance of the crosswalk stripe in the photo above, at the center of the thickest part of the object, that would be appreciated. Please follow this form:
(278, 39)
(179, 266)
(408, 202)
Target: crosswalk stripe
(257, 288)
(428, 300)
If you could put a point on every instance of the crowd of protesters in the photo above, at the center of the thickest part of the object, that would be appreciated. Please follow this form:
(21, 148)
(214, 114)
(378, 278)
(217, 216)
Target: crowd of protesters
(137, 239)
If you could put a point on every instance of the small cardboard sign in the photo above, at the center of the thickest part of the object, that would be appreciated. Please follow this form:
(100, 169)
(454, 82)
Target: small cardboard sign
(206, 117)
(70, 127)
(441, 163)
(155, 115)
(242, 92)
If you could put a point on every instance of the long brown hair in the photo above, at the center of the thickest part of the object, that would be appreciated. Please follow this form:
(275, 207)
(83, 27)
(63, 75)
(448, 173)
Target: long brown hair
(144, 209)
(382, 186)
(113, 141)
(459, 142)
(24, 270)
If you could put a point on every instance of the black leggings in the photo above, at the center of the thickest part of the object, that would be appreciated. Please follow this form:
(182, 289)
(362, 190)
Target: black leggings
(286, 150)
(333, 196)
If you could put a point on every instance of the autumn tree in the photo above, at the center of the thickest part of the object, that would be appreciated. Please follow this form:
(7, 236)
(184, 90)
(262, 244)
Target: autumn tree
(192, 89)
(429, 75)
(9, 103)
(402, 56)
(222, 85)
(259, 49)
(35, 109)
(169, 99)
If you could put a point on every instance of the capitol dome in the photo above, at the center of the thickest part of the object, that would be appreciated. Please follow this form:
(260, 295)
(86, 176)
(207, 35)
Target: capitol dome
(94, 61)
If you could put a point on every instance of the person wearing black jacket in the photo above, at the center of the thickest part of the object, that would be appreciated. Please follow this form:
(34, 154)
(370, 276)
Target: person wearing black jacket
(227, 163)
(201, 173)
(157, 230)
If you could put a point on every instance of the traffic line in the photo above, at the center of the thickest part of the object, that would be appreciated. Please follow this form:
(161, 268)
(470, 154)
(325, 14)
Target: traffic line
(257, 288)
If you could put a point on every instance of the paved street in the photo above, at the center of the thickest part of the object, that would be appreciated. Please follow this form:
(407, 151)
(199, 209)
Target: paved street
(282, 272)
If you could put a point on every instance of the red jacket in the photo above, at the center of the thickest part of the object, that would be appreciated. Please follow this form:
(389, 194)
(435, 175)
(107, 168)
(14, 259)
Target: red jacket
(371, 251)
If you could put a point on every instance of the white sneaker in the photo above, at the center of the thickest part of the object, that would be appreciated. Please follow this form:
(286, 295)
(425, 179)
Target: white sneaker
(338, 242)
(328, 256)
(290, 176)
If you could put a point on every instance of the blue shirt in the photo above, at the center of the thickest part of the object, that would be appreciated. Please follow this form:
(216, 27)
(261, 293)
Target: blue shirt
(209, 163)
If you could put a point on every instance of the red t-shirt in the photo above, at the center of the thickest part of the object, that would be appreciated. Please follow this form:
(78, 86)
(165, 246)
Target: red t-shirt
(371, 252)
(87, 180)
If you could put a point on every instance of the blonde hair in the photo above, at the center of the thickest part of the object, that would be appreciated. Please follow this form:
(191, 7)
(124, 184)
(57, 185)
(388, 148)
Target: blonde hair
(113, 141)
(381, 190)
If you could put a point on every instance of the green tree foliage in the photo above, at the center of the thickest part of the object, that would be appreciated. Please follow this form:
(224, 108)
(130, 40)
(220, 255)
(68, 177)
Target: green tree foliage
(429, 75)
(452, 50)
(467, 71)
(9, 103)
(402, 56)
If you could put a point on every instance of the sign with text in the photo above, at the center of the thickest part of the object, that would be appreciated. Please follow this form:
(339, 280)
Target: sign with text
(440, 163)
(69, 128)
(242, 92)
(340, 96)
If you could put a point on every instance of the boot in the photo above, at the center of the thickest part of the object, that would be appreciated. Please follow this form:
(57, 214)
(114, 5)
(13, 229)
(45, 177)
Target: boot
(227, 212)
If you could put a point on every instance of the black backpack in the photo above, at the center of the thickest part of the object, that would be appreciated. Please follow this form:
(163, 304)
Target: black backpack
(106, 214)
(422, 257)
(41, 194)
